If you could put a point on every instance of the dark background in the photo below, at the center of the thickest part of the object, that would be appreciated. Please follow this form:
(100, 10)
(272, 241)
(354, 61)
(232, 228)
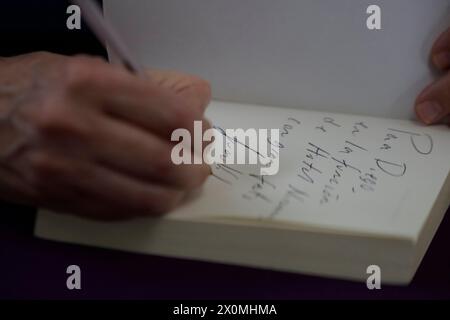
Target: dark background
(35, 25)
(36, 269)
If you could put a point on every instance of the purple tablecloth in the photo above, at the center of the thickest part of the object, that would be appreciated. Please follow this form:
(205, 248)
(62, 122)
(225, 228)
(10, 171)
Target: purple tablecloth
(33, 268)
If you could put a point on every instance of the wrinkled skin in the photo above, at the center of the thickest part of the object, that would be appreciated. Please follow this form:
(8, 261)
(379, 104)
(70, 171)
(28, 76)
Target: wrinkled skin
(81, 136)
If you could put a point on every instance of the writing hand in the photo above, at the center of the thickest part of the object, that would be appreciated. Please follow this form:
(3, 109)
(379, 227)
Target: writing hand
(94, 139)
(433, 104)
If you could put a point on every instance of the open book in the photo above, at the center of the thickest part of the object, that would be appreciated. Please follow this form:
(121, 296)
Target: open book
(354, 189)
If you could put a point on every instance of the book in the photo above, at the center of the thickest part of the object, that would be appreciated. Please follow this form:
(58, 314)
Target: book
(357, 186)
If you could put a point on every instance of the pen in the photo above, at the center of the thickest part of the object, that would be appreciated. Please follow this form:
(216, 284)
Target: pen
(106, 33)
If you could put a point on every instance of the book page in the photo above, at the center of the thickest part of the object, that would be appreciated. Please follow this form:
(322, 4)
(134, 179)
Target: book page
(318, 55)
(355, 173)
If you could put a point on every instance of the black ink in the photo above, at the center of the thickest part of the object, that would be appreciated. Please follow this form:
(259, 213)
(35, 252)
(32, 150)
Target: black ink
(380, 163)
(318, 151)
(355, 145)
(286, 129)
(331, 121)
(276, 144)
(262, 180)
(336, 175)
(413, 135)
(231, 169)
(298, 191)
(305, 176)
(420, 151)
(221, 179)
(311, 167)
(346, 150)
(321, 128)
(362, 124)
(294, 120)
(350, 150)
(257, 194)
(390, 136)
(356, 127)
(292, 193)
(346, 165)
(407, 132)
(235, 140)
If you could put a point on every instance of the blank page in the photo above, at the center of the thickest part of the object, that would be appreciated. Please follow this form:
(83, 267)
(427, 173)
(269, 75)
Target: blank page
(291, 53)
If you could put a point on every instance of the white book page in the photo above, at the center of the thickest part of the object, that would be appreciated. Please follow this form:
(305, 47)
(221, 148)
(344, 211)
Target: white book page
(315, 54)
(354, 173)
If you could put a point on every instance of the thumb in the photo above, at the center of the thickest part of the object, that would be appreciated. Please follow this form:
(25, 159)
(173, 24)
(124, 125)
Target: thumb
(440, 53)
(433, 104)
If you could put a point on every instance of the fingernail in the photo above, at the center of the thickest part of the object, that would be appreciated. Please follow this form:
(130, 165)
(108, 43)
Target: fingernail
(442, 60)
(429, 111)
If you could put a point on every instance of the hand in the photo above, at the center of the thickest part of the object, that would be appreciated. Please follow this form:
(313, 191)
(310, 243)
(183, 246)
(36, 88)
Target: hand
(85, 137)
(433, 104)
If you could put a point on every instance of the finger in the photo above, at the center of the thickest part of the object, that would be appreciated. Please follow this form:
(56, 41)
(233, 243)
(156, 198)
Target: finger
(176, 114)
(86, 185)
(63, 198)
(154, 109)
(160, 105)
(94, 84)
(433, 104)
(177, 102)
(440, 53)
(142, 155)
(107, 137)
(196, 91)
